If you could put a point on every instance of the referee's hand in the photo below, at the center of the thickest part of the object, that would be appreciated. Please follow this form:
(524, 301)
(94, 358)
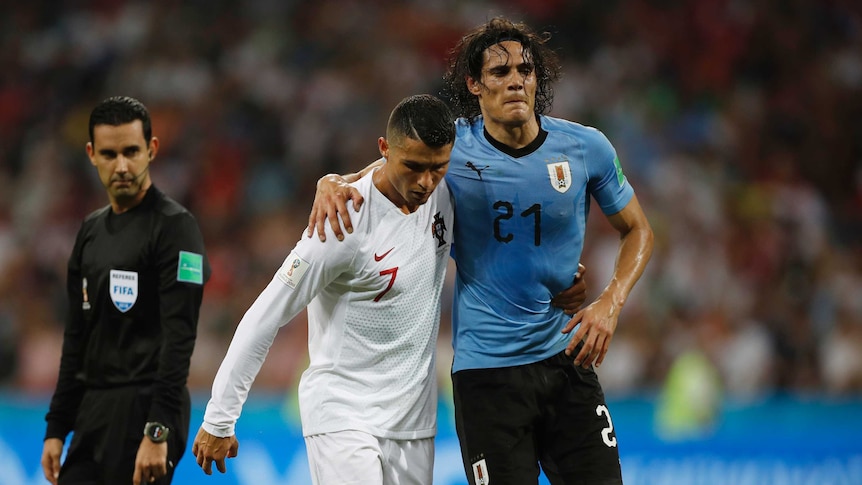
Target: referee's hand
(208, 449)
(51, 451)
(151, 462)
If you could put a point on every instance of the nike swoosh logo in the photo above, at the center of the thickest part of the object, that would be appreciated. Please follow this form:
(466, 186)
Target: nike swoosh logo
(378, 258)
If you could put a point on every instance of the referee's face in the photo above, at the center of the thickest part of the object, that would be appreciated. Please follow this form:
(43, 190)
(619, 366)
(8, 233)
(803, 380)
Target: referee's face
(122, 158)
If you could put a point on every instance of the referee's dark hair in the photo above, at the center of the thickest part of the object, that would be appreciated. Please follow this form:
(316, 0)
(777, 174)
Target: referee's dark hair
(422, 117)
(119, 110)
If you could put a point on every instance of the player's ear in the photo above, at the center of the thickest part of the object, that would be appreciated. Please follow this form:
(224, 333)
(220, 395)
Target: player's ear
(383, 146)
(474, 86)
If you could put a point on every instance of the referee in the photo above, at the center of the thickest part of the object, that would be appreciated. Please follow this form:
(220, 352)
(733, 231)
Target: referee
(135, 284)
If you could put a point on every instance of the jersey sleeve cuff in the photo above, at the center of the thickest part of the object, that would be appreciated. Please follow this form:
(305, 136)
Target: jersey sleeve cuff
(220, 430)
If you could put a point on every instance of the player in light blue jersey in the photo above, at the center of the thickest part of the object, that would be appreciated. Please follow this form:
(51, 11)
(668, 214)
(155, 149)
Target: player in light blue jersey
(525, 392)
(523, 201)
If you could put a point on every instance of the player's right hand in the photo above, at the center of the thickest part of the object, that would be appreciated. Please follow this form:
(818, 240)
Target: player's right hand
(51, 451)
(330, 201)
(208, 449)
(571, 299)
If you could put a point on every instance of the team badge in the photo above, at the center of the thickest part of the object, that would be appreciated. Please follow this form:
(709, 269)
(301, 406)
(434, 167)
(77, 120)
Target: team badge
(124, 289)
(438, 229)
(480, 473)
(292, 270)
(561, 176)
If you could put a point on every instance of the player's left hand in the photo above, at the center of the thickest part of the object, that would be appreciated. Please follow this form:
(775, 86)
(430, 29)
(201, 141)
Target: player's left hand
(598, 323)
(151, 462)
(574, 296)
(208, 448)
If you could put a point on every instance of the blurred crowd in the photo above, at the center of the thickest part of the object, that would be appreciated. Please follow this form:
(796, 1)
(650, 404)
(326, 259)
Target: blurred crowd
(739, 123)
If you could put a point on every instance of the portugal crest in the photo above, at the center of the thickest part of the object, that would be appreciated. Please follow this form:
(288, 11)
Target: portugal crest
(438, 229)
(561, 176)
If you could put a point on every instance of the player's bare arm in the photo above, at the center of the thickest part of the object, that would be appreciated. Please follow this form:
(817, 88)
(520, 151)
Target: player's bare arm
(208, 448)
(330, 201)
(599, 319)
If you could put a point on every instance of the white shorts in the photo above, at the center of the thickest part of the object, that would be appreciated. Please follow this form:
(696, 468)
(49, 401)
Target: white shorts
(356, 457)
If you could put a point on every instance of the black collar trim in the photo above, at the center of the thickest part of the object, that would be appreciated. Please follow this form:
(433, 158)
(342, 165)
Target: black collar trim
(518, 152)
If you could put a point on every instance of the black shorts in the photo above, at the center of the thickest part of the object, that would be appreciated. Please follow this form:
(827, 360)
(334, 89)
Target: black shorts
(510, 420)
(108, 431)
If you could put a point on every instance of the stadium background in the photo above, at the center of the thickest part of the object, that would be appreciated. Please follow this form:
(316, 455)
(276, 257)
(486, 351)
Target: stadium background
(738, 358)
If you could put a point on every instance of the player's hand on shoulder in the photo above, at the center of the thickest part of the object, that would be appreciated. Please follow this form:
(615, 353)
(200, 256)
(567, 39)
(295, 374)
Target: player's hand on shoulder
(330, 201)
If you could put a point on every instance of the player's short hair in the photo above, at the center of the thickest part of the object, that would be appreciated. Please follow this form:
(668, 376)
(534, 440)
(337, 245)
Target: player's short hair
(467, 57)
(422, 117)
(119, 110)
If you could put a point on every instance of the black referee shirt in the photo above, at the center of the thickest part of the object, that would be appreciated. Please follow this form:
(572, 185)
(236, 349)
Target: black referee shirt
(135, 285)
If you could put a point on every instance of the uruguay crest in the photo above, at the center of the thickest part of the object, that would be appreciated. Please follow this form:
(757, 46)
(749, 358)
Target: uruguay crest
(561, 176)
(124, 289)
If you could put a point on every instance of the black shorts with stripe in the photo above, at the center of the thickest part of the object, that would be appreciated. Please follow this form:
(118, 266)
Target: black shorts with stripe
(551, 413)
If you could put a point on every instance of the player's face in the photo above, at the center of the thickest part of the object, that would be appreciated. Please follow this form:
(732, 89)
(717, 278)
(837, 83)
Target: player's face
(412, 170)
(507, 90)
(122, 158)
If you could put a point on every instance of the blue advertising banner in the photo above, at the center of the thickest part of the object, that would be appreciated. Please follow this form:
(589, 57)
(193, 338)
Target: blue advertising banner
(780, 441)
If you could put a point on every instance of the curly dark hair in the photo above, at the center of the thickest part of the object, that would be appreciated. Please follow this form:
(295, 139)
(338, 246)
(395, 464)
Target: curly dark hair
(466, 59)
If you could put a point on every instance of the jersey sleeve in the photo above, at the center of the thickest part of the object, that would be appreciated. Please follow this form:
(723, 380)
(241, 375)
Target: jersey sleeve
(310, 266)
(607, 183)
(69, 390)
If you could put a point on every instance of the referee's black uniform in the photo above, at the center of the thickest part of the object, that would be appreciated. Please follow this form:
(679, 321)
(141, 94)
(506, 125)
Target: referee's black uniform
(135, 284)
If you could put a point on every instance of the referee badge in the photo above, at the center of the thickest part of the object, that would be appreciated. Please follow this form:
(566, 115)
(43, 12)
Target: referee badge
(561, 176)
(124, 289)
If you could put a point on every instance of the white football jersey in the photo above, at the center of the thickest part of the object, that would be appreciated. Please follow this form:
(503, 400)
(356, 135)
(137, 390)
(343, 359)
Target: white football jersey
(373, 315)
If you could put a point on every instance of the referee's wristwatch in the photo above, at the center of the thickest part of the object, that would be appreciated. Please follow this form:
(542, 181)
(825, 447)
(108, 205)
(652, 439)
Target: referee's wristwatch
(156, 432)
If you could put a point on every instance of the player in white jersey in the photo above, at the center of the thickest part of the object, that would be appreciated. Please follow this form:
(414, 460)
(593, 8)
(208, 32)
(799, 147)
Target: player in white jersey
(525, 394)
(368, 400)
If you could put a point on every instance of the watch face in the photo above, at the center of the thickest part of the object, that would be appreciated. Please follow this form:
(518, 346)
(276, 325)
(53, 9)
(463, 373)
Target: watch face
(156, 432)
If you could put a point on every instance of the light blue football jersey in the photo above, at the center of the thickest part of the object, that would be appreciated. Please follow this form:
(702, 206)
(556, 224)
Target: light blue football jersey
(520, 217)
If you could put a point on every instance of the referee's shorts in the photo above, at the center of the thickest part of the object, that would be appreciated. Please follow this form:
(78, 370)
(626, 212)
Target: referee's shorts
(511, 419)
(108, 432)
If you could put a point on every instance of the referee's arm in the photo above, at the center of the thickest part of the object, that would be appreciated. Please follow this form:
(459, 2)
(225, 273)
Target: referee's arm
(70, 388)
(179, 306)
